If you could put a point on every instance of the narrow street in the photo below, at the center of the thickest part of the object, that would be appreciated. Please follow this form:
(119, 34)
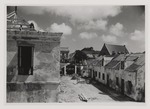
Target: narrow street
(69, 91)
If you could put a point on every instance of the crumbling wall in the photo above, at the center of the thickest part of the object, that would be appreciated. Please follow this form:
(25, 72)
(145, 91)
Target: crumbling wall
(140, 86)
(130, 84)
(46, 62)
(46, 72)
(112, 77)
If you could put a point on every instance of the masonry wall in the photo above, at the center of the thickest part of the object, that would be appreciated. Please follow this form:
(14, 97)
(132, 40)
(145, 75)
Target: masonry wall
(113, 74)
(130, 77)
(42, 85)
(137, 79)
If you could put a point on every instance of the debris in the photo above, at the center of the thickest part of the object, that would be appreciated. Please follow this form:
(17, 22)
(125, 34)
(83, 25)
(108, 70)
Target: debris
(74, 77)
(82, 97)
(82, 81)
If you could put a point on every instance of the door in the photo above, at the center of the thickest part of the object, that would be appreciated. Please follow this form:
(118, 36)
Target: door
(25, 60)
(122, 86)
(107, 80)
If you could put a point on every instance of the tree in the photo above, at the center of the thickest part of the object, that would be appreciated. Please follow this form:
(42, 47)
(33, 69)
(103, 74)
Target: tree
(79, 56)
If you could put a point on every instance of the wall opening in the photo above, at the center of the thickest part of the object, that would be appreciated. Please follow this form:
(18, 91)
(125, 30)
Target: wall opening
(129, 87)
(122, 86)
(25, 60)
(107, 80)
(117, 81)
(103, 76)
(99, 74)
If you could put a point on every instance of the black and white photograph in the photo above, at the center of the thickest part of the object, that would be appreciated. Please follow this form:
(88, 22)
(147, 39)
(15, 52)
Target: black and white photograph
(75, 54)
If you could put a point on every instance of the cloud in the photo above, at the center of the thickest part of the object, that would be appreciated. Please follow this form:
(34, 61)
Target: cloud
(85, 35)
(109, 38)
(97, 25)
(77, 13)
(67, 30)
(74, 40)
(117, 29)
(36, 27)
(137, 35)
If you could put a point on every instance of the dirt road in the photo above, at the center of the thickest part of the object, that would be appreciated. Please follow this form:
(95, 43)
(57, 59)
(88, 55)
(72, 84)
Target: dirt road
(69, 91)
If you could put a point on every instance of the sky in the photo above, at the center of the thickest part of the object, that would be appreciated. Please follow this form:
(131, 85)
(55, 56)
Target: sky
(90, 26)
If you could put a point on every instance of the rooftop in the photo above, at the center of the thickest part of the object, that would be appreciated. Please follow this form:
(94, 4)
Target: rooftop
(19, 28)
(116, 61)
(137, 64)
(116, 49)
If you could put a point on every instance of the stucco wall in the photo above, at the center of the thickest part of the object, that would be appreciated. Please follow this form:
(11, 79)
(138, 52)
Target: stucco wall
(46, 62)
(138, 82)
(100, 69)
(46, 72)
(113, 74)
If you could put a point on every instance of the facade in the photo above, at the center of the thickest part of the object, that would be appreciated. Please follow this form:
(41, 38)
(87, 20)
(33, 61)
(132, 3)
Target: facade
(135, 79)
(126, 74)
(99, 68)
(33, 63)
(64, 52)
(114, 70)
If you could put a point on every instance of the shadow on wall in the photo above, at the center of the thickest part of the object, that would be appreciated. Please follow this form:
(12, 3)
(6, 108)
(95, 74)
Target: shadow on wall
(11, 67)
(12, 71)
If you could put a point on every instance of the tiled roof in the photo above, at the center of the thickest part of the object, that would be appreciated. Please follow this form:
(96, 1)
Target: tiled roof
(120, 57)
(137, 64)
(112, 64)
(116, 48)
(115, 62)
(97, 61)
(133, 56)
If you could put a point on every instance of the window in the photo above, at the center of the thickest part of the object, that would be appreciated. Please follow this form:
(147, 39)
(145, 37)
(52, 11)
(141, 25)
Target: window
(129, 87)
(103, 76)
(25, 60)
(95, 73)
(117, 81)
(99, 74)
(122, 64)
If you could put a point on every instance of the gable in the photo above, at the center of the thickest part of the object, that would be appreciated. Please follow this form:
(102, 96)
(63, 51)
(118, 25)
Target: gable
(104, 51)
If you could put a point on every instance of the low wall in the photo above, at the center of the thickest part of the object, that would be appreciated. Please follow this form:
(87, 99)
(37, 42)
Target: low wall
(32, 92)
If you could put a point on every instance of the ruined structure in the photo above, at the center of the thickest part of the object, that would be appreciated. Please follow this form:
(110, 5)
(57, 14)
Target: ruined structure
(33, 62)
(114, 71)
(126, 74)
(135, 79)
(119, 70)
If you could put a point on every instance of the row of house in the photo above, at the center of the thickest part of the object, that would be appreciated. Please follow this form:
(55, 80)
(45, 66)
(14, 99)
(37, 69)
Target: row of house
(119, 70)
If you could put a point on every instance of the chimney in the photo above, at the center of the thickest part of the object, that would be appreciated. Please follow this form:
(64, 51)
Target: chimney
(16, 9)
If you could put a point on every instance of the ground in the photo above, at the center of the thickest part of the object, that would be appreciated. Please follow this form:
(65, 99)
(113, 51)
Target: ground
(69, 91)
